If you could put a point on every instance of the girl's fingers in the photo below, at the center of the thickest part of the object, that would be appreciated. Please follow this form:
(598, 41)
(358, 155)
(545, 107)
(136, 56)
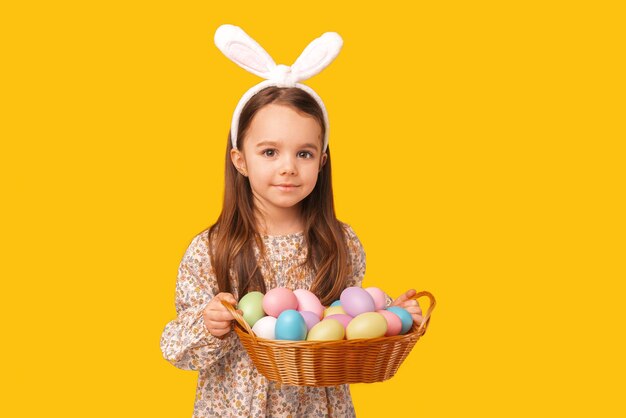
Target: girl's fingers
(217, 318)
(217, 325)
(404, 297)
(216, 302)
(413, 309)
(219, 333)
(219, 315)
(417, 318)
(226, 297)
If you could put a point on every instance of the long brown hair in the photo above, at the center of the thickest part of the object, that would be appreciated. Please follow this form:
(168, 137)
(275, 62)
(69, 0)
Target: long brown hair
(232, 236)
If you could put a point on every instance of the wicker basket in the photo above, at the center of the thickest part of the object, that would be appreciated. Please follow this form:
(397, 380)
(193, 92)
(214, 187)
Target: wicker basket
(329, 363)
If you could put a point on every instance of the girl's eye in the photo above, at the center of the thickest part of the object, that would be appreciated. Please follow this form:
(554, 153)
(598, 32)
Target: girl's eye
(269, 152)
(305, 154)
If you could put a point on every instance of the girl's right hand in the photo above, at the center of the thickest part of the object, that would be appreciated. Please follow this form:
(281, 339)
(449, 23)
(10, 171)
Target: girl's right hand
(217, 318)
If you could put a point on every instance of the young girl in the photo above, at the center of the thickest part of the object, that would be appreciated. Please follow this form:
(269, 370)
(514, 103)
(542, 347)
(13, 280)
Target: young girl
(277, 228)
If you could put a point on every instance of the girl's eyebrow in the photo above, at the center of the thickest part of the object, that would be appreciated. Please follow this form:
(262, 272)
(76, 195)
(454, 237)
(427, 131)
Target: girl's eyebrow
(309, 145)
(266, 143)
(274, 144)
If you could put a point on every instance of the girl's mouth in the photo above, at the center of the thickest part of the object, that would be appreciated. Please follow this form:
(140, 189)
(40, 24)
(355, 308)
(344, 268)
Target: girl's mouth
(286, 187)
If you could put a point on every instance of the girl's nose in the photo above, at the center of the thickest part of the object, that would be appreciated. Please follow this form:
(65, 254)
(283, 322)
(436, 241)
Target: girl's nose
(288, 167)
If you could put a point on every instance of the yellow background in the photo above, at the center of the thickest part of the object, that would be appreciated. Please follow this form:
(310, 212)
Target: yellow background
(477, 152)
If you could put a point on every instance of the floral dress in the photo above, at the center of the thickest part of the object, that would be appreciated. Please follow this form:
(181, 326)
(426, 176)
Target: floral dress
(228, 383)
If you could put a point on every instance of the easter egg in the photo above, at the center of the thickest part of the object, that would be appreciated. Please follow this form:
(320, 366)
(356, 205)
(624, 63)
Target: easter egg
(367, 325)
(278, 300)
(355, 301)
(290, 325)
(394, 324)
(343, 318)
(336, 303)
(327, 330)
(405, 317)
(265, 327)
(310, 318)
(307, 301)
(252, 307)
(333, 310)
(380, 301)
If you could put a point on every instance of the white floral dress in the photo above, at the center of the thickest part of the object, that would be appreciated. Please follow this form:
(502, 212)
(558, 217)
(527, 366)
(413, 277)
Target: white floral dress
(228, 383)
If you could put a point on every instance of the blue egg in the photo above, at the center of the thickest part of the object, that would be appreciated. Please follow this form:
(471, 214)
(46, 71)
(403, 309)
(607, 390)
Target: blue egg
(405, 317)
(336, 303)
(290, 325)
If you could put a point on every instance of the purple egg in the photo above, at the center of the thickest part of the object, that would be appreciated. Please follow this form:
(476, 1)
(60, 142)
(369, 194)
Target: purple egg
(355, 301)
(344, 319)
(310, 318)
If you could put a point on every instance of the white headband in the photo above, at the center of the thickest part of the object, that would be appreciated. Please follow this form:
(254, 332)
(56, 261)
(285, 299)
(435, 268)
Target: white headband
(248, 54)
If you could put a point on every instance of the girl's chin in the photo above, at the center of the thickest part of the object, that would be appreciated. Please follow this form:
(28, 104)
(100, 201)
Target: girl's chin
(286, 203)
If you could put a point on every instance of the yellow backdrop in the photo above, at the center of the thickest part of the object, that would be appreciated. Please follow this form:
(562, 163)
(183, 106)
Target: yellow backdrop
(477, 152)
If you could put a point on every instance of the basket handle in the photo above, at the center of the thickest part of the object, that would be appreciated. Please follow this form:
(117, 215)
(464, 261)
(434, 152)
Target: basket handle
(426, 318)
(242, 322)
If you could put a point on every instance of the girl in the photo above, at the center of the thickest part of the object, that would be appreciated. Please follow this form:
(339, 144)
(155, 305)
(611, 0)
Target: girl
(277, 228)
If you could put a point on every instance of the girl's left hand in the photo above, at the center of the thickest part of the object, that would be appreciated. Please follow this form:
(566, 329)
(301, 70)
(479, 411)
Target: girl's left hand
(411, 305)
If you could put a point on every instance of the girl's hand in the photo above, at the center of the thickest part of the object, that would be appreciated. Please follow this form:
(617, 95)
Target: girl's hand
(411, 305)
(217, 318)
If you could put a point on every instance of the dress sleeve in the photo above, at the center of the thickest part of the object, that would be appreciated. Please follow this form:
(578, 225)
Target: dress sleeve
(388, 300)
(357, 258)
(185, 341)
(357, 254)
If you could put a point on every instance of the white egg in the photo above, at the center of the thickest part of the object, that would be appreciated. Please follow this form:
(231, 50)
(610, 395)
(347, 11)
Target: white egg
(264, 328)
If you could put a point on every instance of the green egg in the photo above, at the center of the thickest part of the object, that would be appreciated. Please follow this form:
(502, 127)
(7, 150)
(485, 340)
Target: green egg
(252, 307)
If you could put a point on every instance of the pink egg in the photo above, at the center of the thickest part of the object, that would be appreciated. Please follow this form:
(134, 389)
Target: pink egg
(394, 323)
(344, 319)
(310, 318)
(379, 297)
(355, 301)
(307, 301)
(278, 300)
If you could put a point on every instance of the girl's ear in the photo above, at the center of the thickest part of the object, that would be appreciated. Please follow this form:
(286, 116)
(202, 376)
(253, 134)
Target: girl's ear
(239, 162)
(323, 161)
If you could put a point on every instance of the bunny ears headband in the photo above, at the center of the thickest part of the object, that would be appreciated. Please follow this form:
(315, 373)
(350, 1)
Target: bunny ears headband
(248, 54)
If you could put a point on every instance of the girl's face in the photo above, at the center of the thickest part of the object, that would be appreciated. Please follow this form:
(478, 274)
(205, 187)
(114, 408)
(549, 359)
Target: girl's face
(281, 156)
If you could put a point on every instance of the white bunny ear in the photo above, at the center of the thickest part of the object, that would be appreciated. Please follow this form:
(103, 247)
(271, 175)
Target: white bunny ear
(243, 50)
(317, 55)
(248, 54)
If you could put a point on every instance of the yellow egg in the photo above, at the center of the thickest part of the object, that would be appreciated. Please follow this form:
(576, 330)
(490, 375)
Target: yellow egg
(333, 310)
(326, 330)
(367, 325)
